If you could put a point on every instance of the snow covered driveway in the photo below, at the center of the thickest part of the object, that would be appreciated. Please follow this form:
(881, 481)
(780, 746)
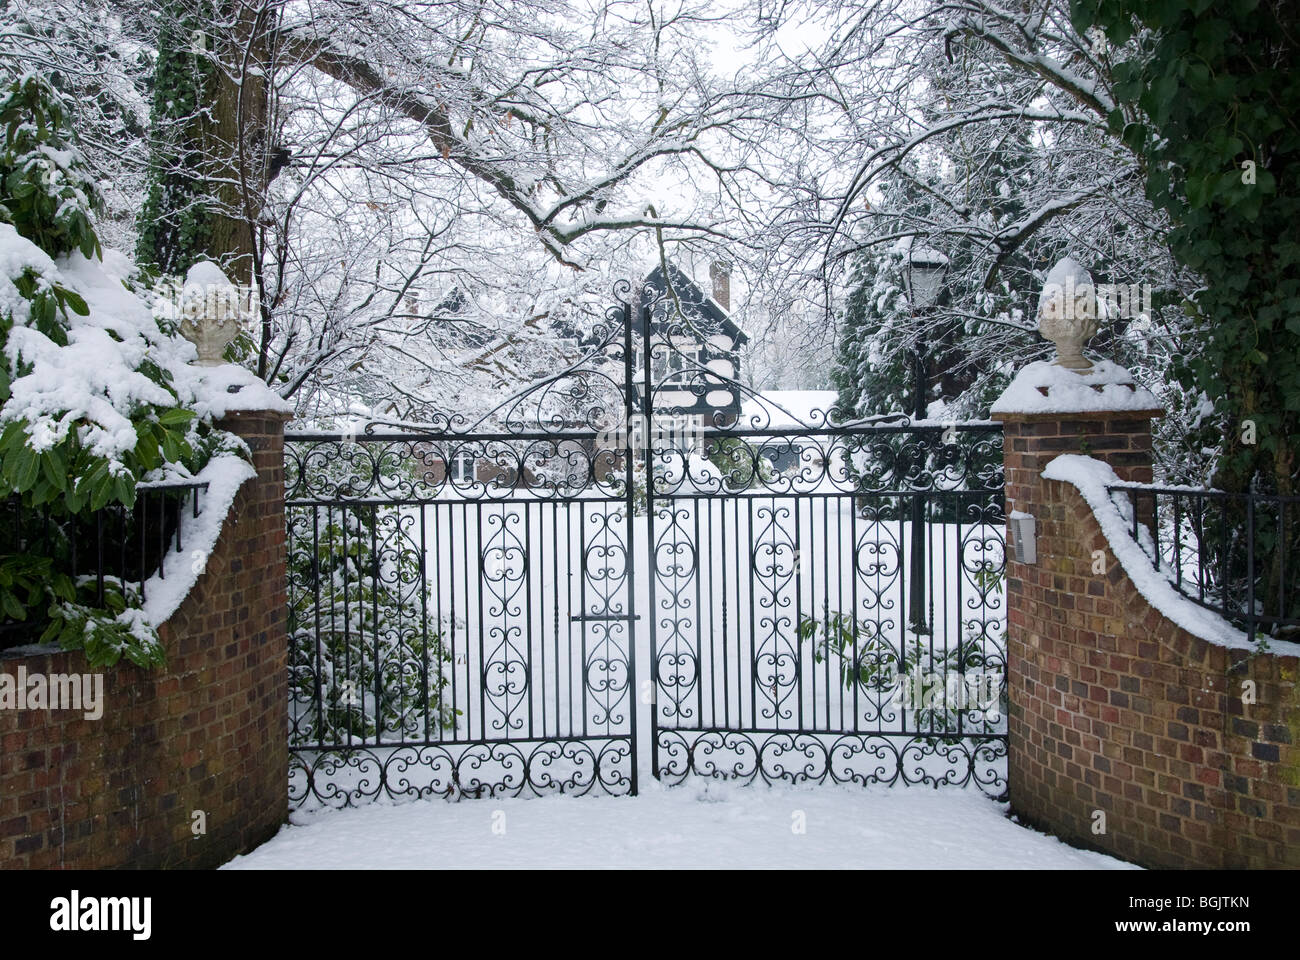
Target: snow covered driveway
(702, 823)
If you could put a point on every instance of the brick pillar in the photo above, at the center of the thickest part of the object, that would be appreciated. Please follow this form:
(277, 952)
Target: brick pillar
(1030, 441)
(203, 734)
(1048, 601)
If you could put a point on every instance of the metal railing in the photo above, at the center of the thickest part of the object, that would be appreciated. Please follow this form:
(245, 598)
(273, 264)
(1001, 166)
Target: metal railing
(115, 544)
(1234, 553)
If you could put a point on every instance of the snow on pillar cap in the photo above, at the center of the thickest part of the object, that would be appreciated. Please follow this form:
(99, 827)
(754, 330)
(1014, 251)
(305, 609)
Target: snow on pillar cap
(1045, 388)
(1067, 313)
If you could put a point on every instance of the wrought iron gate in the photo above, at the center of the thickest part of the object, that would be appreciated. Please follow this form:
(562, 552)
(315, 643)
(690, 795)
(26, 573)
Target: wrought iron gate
(826, 600)
(461, 597)
(823, 601)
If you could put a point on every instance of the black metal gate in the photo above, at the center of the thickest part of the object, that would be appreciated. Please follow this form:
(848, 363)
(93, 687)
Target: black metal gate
(822, 601)
(461, 597)
(826, 600)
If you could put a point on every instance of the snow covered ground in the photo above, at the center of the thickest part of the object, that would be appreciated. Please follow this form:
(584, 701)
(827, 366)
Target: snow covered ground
(701, 824)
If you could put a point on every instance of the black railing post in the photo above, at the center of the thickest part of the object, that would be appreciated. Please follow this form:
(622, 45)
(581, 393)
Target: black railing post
(647, 438)
(1250, 567)
(916, 601)
(629, 502)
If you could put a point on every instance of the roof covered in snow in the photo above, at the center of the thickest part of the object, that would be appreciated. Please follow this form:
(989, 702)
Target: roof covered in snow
(704, 312)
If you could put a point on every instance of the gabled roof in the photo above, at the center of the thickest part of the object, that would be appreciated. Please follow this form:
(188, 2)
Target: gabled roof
(703, 311)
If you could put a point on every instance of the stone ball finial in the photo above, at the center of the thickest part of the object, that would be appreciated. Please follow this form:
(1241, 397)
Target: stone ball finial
(1067, 313)
(211, 310)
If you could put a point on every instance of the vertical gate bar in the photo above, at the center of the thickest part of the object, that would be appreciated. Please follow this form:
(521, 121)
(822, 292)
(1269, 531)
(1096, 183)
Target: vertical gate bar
(374, 617)
(647, 413)
(443, 629)
(528, 606)
(334, 604)
(451, 620)
(826, 586)
(699, 621)
(315, 582)
(555, 640)
(347, 622)
(1200, 547)
(555, 622)
(568, 637)
(776, 633)
(482, 586)
(426, 696)
(582, 606)
(798, 607)
(749, 584)
(629, 512)
(812, 603)
(706, 506)
(442, 632)
(902, 622)
(927, 565)
(854, 672)
(961, 632)
(466, 571)
(1178, 540)
(726, 655)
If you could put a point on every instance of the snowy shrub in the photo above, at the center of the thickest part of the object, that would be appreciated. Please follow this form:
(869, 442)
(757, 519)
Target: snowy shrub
(368, 661)
(839, 635)
(868, 660)
(740, 463)
(89, 403)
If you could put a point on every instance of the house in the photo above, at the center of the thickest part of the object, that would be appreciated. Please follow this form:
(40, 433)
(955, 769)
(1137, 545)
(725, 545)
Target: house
(694, 354)
(694, 365)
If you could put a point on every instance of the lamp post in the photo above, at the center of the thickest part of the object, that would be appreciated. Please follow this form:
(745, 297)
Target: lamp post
(923, 277)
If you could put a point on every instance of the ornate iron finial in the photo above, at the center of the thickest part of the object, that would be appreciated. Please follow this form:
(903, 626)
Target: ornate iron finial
(1067, 313)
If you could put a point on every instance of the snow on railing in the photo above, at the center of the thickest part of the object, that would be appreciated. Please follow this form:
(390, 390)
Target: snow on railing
(1095, 480)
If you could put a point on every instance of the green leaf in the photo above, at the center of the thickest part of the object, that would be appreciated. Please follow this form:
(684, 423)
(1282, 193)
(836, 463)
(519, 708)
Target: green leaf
(176, 417)
(76, 303)
(24, 470)
(12, 608)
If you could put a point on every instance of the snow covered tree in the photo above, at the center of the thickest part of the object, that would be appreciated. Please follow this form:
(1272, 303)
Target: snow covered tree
(1205, 95)
(1007, 110)
(90, 51)
(174, 222)
(88, 400)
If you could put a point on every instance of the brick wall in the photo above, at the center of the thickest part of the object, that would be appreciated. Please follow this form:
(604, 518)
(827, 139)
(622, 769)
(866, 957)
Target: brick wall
(205, 732)
(1114, 708)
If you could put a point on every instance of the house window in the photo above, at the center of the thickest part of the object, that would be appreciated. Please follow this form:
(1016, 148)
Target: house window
(462, 468)
(677, 367)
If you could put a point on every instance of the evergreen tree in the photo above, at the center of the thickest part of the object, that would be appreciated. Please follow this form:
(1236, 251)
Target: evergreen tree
(175, 226)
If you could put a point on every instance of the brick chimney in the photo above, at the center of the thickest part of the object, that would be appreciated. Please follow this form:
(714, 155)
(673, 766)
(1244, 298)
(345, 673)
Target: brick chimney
(720, 274)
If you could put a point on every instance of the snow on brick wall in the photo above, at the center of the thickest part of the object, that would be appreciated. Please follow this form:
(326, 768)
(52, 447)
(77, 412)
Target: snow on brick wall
(1116, 709)
(205, 732)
